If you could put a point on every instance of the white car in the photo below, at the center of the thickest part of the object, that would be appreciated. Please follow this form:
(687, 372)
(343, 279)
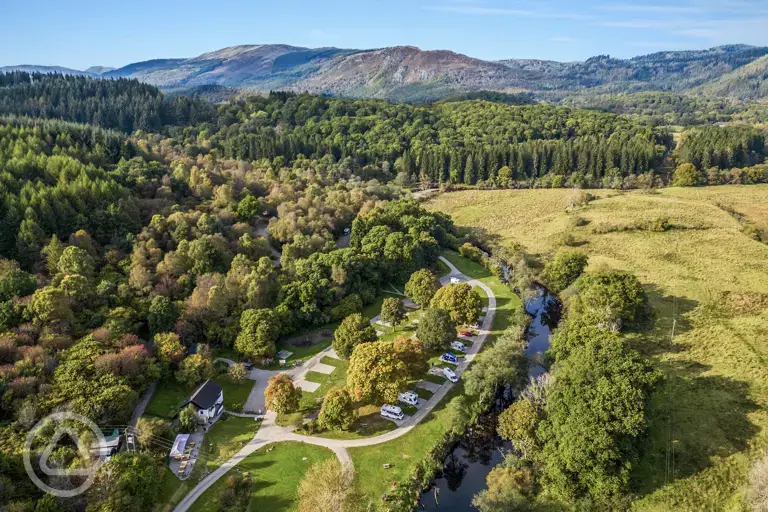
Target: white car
(392, 412)
(455, 280)
(458, 346)
(450, 375)
(409, 397)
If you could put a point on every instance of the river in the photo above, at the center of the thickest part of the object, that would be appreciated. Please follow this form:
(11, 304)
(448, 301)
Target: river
(480, 449)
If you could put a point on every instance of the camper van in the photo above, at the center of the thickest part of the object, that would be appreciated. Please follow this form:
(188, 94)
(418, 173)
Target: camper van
(455, 280)
(409, 397)
(391, 412)
(458, 346)
(450, 375)
(448, 357)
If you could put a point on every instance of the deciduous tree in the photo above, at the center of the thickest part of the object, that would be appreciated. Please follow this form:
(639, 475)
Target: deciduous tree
(338, 410)
(460, 300)
(421, 287)
(393, 311)
(353, 330)
(436, 329)
(281, 395)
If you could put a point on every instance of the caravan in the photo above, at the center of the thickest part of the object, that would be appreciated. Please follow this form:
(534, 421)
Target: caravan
(409, 397)
(391, 412)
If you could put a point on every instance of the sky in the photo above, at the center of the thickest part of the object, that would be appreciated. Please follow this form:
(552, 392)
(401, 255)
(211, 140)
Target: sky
(82, 33)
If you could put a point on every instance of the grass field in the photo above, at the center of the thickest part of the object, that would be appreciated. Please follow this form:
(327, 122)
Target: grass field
(276, 475)
(707, 421)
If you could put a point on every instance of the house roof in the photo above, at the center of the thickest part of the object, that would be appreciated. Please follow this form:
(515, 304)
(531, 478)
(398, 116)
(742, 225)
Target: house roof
(205, 395)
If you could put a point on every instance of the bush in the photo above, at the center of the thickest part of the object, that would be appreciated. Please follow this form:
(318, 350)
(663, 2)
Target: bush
(686, 175)
(564, 269)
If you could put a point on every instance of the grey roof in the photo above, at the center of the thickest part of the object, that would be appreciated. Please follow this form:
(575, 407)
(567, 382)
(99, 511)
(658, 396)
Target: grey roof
(205, 395)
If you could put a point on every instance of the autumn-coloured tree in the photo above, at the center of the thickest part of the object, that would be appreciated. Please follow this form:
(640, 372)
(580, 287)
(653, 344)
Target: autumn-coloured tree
(281, 395)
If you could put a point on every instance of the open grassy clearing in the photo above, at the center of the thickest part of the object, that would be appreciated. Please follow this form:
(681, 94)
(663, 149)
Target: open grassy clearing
(708, 419)
(276, 471)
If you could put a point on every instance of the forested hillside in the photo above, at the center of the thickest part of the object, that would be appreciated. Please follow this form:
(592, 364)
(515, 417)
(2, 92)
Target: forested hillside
(124, 105)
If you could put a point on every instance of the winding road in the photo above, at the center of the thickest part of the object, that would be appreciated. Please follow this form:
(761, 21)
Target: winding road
(270, 432)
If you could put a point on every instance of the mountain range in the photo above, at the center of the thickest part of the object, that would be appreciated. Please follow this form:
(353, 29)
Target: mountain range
(407, 73)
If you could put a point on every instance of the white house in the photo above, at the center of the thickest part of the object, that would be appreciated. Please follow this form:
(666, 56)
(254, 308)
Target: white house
(208, 400)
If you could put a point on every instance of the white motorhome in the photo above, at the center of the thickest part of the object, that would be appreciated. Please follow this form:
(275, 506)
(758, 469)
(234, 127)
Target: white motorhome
(455, 280)
(409, 397)
(458, 346)
(391, 412)
(450, 375)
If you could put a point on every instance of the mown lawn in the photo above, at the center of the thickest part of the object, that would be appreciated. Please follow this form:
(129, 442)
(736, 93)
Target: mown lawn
(708, 420)
(276, 471)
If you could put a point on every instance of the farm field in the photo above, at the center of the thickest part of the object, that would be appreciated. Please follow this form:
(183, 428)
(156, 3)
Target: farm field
(704, 276)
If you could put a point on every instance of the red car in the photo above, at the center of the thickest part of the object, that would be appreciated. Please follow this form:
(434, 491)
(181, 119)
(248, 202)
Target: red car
(466, 334)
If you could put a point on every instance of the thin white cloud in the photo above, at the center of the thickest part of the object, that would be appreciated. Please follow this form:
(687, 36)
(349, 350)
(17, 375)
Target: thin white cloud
(652, 9)
(500, 11)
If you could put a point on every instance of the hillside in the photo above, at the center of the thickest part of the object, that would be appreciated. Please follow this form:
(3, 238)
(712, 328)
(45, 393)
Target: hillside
(407, 73)
(703, 273)
(747, 82)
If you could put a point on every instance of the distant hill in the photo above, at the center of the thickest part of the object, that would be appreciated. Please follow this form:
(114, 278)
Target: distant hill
(29, 68)
(747, 82)
(98, 70)
(406, 73)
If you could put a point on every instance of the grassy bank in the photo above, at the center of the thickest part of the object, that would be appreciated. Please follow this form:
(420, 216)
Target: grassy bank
(708, 419)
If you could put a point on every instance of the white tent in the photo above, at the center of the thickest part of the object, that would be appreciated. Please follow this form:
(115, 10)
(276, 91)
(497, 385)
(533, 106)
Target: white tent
(178, 445)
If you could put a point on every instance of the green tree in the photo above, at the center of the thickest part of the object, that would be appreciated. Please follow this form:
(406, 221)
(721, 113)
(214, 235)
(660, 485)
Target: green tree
(75, 260)
(259, 329)
(590, 438)
(168, 349)
(436, 329)
(238, 372)
(248, 208)
(509, 489)
(393, 311)
(338, 410)
(460, 301)
(188, 419)
(281, 395)
(128, 481)
(376, 374)
(150, 433)
(353, 330)
(411, 352)
(194, 369)
(686, 175)
(162, 314)
(421, 287)
(518, 424)
(564, 269)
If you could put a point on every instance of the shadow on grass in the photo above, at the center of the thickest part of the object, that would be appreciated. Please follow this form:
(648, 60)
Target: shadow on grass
(692, 418)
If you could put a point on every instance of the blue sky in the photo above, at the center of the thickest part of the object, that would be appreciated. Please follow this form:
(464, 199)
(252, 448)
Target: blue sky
(81, 33)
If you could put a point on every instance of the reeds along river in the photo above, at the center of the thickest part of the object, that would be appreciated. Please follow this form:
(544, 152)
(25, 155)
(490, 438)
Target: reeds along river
(480, 448)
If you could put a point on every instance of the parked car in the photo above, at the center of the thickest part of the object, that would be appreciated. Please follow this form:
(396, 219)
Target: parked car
(392, 412)
(450, 375)
(449, 358)
(474, 326)
(409, 397)
(347, 231)
(459, 346)
(455, 280)
(466, 334)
